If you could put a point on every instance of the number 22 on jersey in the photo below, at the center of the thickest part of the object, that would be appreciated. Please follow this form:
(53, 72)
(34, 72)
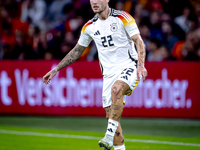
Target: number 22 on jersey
(107, 41)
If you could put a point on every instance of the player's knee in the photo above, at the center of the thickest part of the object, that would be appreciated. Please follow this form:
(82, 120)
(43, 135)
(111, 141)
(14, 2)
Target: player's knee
(116, 91)
(116, 94)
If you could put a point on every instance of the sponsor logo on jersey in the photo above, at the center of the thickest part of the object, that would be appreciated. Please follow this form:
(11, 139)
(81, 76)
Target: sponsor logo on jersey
(114, 27)
(97, 32)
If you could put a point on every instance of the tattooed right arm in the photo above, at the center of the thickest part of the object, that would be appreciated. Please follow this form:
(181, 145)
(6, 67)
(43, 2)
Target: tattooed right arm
(72, 56)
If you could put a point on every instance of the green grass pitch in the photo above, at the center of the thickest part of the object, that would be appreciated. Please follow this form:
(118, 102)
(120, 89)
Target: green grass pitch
(83, 133)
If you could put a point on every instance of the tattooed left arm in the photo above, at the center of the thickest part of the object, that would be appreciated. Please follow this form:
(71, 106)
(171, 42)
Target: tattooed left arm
(141, 49)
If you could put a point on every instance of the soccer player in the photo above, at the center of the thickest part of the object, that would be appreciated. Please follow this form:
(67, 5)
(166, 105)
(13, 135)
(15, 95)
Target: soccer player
(116, 35)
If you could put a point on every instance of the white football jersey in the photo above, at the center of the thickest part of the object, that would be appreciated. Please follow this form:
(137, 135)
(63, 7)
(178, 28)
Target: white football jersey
(113, 40)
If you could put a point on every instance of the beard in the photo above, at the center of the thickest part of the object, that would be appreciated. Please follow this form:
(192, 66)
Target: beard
(99, 10)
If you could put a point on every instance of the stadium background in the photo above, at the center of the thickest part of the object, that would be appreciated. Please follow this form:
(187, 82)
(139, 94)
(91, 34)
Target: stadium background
(36, 34)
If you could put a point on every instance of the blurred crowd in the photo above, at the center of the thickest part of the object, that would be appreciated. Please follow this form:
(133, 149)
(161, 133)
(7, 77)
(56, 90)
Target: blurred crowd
(49, 29)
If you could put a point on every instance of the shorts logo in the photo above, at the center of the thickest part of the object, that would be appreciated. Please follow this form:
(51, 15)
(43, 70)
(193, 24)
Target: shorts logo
(114, 27)
(104, 99)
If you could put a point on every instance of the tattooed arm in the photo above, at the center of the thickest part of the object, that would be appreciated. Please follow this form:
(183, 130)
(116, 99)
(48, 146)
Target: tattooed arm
(141, 70)
(72, 56)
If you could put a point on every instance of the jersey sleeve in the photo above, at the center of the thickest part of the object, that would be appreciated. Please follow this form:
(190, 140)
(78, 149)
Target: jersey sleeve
(85, 38)
(129, 23)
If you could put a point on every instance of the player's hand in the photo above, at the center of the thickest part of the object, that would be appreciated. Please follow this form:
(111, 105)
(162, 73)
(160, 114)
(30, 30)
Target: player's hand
(47, 78)
(141, 71)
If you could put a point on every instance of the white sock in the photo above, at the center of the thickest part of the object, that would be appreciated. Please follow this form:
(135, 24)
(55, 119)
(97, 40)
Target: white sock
(112, 127)
(121, 147)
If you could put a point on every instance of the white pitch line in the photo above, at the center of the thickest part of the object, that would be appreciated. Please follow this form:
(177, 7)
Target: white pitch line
(93, 138)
